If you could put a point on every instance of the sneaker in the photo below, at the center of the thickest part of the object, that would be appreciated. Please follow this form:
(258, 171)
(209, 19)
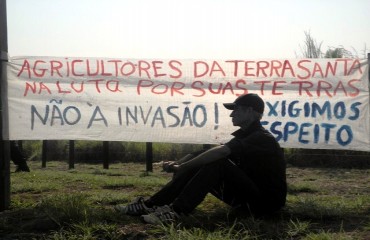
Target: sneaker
(161, 215)
(136, 208)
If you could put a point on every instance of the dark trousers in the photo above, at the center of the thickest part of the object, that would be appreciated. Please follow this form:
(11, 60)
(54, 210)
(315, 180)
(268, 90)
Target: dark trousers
(222, 178)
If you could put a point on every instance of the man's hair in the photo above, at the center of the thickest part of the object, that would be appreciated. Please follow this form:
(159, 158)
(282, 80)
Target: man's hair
(256, 115)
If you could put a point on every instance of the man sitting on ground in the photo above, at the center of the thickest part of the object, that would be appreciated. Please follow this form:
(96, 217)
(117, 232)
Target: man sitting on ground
(248, 171)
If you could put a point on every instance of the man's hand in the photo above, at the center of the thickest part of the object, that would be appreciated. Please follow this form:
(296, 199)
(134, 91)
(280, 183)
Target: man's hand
(169, 166)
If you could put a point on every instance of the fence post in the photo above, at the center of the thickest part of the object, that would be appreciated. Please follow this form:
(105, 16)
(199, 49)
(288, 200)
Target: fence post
(20, 144)
(4, 176)
(149, 157)
(368, 62)
(71, 154)
(44, 153)
(4, 145)
(106, 155)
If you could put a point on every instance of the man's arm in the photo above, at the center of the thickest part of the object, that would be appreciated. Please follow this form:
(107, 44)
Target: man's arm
(184, 159)
(209, 156)
(168, 166)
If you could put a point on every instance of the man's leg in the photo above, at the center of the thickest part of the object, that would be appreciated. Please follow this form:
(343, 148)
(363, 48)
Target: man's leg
(193, 193)
(212, 177)
(171, 195)
(224, 179)
(172, 189)
(237, 189)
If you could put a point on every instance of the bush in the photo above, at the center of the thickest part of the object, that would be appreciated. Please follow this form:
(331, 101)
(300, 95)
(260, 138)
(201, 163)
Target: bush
(327, 158)
(92, 151)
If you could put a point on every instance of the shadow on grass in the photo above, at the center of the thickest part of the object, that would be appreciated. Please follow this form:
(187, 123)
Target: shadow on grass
(67, 217)
(332, 203)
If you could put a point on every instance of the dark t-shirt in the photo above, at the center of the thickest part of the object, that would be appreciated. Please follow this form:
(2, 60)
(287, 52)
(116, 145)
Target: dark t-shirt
(258, 153)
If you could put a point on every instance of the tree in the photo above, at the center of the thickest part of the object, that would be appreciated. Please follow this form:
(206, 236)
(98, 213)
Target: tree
(311, 48)
(340, 52)
(322, 157)
(334, 53)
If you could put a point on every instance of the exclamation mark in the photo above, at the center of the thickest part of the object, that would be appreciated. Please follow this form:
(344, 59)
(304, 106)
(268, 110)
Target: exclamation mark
(216, 116)
(119, 116)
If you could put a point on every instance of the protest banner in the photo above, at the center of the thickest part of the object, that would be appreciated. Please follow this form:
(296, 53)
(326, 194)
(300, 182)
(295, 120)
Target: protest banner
(310, 103)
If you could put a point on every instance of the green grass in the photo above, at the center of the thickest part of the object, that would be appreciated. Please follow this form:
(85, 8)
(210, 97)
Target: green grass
(58, 203)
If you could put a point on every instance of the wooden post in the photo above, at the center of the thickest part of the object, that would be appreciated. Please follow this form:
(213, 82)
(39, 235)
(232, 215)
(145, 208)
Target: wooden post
(4, 145)
(106, 155)
(71, 148)
(44, 153)
(4, 176)
(20, 144)
(149, 157)
(368, 61)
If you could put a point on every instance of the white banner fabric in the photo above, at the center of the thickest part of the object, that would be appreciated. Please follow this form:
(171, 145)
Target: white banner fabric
(310, 103)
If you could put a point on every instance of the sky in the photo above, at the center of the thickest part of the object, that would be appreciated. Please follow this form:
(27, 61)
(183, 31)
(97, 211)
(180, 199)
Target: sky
(184, 29)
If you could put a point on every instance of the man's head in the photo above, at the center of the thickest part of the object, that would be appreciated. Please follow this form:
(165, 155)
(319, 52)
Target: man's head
(246, 109)
(249, 100)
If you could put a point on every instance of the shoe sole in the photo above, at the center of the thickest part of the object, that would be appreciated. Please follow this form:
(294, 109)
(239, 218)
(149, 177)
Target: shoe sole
(142, 218)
